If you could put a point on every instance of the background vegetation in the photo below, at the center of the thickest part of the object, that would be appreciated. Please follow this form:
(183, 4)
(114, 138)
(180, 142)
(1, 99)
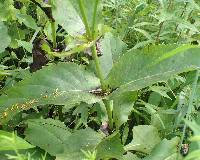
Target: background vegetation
(99, 79)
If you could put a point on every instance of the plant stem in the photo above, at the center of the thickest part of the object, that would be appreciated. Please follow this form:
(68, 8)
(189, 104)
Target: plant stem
(90, 36)
(159, 32)
(85, 21)
(109, 112)
(53, 30)
(98, 68)
(94, 18)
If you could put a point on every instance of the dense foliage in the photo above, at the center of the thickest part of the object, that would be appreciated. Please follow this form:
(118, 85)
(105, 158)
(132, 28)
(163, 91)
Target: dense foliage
(99, 79)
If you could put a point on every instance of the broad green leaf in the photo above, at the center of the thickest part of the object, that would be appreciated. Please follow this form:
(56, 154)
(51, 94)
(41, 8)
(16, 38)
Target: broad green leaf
(165, 150)
(111, 48)
(66, 15)
(140, 68)
(27, 20)
(175, 51)
(5, 39)
(106, 60)
(80, 140)
(122, 107)
(140, 141)
(10, 141)
(110, 147)
(62, 84)
(47, 134)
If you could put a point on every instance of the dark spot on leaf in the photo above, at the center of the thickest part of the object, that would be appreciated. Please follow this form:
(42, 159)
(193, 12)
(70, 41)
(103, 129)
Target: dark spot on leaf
(39, 58)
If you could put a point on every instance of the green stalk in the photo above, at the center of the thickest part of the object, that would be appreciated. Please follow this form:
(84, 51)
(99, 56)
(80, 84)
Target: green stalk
(53, 30)
(159, 32)
(85, 21)
(98, 68)
(94, 18)
(99, 72)
(94, 51)
(109, 112)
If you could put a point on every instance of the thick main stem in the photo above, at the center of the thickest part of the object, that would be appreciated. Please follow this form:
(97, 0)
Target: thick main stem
(90, 36)
(109, 112)
(98, 67)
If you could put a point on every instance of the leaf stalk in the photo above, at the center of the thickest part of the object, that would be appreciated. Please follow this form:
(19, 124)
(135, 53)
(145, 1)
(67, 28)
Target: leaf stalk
(90, 36)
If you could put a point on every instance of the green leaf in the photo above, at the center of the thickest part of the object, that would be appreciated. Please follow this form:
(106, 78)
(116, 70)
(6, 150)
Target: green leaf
(110, 147)
(27, 20)
(175, 51)
(154, 98)
(130, 156)
(5, 39)
(106, 60)
(140, 142)
(62, 84)
(7, 10)
(9, 141)
(80, 140)
(111, 48)
(27, 45)
(122, 106)
(16, 33)
(83, 110)
(48, 134)
(165, 150)
(164, 119)
(142, 68)
(66, 15)
(194, 155)
(161, 90)
(151, 109)
(195, 128)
